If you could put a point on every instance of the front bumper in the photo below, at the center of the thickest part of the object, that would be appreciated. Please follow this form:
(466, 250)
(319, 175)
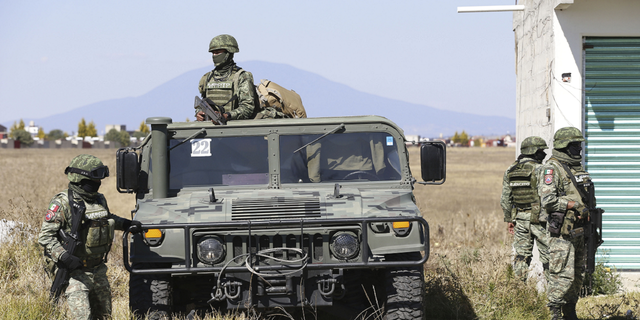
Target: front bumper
(366, 258)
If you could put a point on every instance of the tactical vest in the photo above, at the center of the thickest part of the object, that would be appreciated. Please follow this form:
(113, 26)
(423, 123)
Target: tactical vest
(524, 187)
(222, 92)
(97, 231)
(583, 180)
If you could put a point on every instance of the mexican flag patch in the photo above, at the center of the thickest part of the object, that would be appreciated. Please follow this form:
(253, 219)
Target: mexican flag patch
(548, 171)
(51, 213)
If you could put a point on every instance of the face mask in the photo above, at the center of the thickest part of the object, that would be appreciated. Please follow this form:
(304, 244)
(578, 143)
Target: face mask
(574, 150)
(90, 185)
(220, 58)
(540, 155)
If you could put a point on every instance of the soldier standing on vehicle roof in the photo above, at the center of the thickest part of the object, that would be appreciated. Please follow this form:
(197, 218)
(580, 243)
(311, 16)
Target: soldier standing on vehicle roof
(227, 86)
(525, 217)
(88, 292)
(563, 174)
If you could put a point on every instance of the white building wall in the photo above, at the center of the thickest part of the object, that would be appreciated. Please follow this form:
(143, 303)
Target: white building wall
(533, 31)
(581, 19)
(548, 38)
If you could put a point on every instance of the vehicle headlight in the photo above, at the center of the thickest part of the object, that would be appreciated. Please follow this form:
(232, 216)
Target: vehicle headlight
(211, 250)
(344, 245)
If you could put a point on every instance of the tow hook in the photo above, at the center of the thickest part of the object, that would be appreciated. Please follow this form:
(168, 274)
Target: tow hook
(327, 286)
(232, 289)
(229, 290)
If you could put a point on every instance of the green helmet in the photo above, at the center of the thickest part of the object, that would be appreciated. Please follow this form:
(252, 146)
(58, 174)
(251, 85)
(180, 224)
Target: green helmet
(86, 166)
(566, 135)
(224, 41)
(532, 144)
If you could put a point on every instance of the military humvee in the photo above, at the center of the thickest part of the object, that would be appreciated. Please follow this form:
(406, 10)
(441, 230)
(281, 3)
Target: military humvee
(289, 214)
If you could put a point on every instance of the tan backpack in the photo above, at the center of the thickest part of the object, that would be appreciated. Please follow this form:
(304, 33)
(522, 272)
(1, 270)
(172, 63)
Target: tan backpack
(274, 96)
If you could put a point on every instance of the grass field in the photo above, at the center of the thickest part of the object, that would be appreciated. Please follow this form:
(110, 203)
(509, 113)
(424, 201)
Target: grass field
(468, 275)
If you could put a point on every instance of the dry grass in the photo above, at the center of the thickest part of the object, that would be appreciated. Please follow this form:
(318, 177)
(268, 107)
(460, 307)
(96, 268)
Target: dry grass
(468, 275)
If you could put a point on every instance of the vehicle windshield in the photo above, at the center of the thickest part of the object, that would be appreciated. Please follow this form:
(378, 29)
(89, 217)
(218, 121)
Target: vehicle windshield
(365, 156)
(219, 161)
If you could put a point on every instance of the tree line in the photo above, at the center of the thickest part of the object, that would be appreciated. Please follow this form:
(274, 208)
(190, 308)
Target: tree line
(17, 132)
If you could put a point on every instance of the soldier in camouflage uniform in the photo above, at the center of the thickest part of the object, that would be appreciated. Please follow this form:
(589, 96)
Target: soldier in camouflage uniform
(227, 86)
(521, 205)
(562, 175)
(88, 292)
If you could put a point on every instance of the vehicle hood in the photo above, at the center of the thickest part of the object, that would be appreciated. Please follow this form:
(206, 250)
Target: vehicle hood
(276, 204)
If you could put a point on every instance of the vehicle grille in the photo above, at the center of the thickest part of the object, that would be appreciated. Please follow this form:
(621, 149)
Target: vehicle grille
(275, 208)
(311, 243)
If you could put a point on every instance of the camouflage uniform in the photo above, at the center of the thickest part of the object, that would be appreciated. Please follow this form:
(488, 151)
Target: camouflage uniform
(521, 205)
(566, 248)
(88, 292)
(228, 86)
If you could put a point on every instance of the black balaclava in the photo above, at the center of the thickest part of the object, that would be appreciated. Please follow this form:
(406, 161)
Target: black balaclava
(574, 150)
(90, 186)
(540, 155)
(222, 59)
(86, 188)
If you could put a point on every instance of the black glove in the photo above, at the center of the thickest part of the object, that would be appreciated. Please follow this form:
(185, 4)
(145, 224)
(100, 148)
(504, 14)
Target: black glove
(582, 211)
(134, 226)
(71, 262)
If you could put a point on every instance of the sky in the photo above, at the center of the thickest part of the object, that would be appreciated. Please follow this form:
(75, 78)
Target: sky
(56, 56)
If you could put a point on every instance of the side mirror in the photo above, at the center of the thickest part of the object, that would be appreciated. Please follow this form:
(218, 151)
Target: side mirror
(433, 162)
(127, 170)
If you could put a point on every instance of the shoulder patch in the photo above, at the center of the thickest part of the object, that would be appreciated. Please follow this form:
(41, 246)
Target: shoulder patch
(548, 179)
(52, 211)
(548, 171)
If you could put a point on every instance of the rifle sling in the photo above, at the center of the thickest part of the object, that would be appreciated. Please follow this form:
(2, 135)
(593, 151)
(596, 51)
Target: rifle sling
(583, 193)
(77, 212)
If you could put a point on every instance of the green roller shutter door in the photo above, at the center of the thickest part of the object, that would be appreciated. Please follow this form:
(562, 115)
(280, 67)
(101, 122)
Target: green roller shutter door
(612, 131)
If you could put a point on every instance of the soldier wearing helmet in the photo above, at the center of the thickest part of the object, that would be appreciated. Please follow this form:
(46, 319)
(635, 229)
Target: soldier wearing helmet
(88, 292)
(525, 217)
(560, 195)
(228, 87)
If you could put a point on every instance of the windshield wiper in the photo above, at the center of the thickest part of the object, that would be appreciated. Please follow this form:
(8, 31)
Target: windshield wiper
(340, 127)
(188, 138)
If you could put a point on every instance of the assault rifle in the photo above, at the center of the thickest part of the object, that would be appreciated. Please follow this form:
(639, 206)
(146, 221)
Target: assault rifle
(210, 114)
(593, 231)
(71, 242)
(593, 227)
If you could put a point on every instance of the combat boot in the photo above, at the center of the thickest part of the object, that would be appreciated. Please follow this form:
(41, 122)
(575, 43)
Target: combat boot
(569, 311)
(556, 313)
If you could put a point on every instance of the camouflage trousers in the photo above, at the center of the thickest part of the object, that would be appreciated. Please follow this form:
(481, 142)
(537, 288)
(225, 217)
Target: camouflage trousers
(89, 294)
(566, 270)
(525, 234)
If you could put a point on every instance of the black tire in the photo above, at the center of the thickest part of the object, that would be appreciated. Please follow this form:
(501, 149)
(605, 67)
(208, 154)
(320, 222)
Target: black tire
(150, 295)
(404, 289)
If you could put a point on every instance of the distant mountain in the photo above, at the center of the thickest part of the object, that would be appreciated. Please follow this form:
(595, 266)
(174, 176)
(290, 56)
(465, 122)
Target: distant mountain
(321, 98)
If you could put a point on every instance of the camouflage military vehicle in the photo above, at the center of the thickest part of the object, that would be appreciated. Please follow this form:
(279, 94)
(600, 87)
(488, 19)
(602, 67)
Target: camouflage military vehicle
(312, 214)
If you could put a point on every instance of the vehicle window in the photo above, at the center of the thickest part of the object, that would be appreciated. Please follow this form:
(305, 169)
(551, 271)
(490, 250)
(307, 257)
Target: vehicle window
(363, 156)
(219, 161)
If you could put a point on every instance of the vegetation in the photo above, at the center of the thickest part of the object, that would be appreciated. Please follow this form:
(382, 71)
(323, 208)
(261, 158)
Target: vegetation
(87, 130)
(55, 134)
(462, 138)
(468, 274)
(41, 133)
(24, 137)
(122, 137)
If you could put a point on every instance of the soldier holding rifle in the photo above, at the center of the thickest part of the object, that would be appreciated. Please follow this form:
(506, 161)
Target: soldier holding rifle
(77, 233)
(567, 193)
(227, 88)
